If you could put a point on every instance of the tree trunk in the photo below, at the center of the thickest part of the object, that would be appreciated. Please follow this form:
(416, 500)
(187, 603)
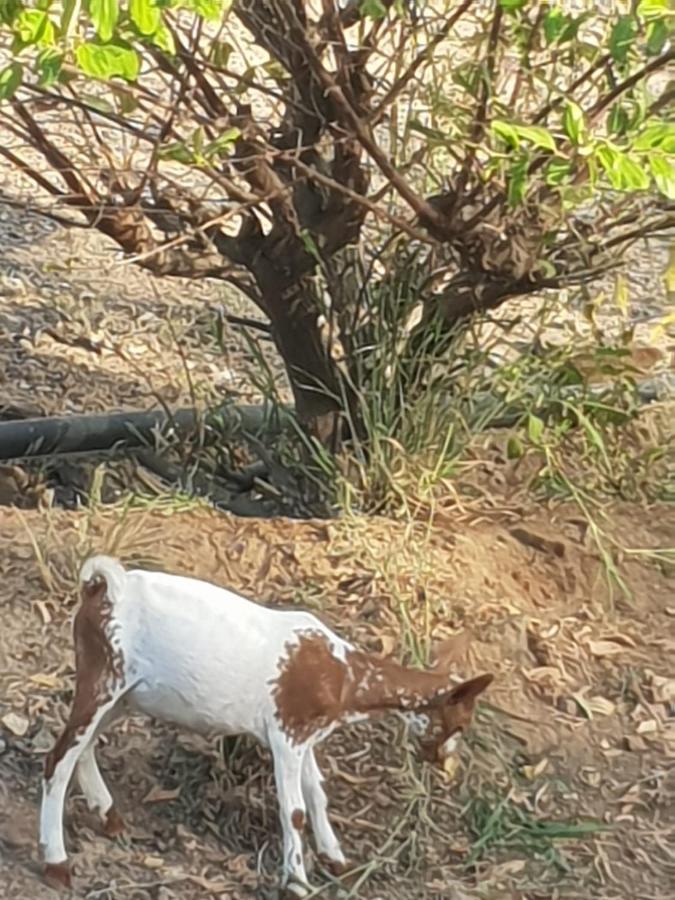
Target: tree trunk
(321, 393)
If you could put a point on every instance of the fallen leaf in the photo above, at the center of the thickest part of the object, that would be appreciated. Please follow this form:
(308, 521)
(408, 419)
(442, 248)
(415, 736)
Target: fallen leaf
(44, 612)
(15, 723)
(533, 772)
(663, 689)
(160, 795)
(512, 867)
(602, 706)
(45, 680)
(648, 727)
(451, 767)
(388, 644)
(604, 648)
(215, 887)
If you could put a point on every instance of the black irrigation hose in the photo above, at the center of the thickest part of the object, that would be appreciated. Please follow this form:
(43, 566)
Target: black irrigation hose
(51, 436)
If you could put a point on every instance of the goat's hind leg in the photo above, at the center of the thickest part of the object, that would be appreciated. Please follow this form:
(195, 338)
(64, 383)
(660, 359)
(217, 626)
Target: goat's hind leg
(96, 792)
(60, 764)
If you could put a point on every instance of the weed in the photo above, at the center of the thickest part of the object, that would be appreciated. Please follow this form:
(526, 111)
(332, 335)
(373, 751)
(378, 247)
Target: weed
(498, 823)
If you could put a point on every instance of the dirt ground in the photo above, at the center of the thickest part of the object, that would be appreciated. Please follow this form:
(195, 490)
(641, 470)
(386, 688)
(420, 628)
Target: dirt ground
(579, 726)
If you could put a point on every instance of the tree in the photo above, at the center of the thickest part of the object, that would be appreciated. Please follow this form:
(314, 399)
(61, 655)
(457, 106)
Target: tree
(513, 146)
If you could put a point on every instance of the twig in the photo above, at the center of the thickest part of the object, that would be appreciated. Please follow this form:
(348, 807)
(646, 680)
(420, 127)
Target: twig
(421, 58)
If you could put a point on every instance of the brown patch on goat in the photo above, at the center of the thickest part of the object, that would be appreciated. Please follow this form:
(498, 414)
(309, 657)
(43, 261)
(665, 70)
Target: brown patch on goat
(298, 819)
(99, 667)
(57, 875)
(316, 689)
(113, 824)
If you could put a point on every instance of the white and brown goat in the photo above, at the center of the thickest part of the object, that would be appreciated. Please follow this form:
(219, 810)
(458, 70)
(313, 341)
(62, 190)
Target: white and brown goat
(211, 661)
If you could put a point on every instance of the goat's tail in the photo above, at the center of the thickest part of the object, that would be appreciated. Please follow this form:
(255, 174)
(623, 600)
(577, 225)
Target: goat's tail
(105, 569)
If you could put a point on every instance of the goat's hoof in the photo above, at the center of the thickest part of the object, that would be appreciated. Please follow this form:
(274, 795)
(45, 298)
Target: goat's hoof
(295, 888)
(57, 875)
(113, 824)
(336, 867)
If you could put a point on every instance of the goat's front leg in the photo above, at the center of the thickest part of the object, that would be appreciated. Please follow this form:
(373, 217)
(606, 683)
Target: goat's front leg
(327, 844)
(288, 777)
(60, 764)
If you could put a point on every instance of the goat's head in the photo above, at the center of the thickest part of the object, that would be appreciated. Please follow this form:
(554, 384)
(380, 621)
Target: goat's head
(441, 723)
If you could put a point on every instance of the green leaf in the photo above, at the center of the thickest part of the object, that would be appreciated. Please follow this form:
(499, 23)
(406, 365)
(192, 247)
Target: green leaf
(48, 66)
(652, 9)
(536, 135)
(624, 173)
(10, 79)
(104, 15)
(618, 120)
(532, 134)
(373, 9)
(223, 143)
(574, 122)
(512, 4)
(145, 15)
(178, 152)
(621, 39)
(558, 171)
(555, 21)
(663, 173)
(9, 10)
(560, 27)
(163, 39)
(517, 181)
(658, 134)
(104, 61)
(514, 448)
(220, 53)
(34, 27)
(505, 131)
(208, 9)
(535, 428)
(657, 35)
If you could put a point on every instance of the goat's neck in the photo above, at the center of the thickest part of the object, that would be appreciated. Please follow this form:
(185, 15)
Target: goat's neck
(380, 684)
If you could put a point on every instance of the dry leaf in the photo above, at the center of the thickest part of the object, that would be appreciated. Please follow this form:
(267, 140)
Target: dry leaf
(604, 648)
(18, 725)
(602, 706)
(45, 680)
(160, 795)
(44, 612)
(648, 727)
(215, 887)
(451, 767)
(533, 772)
(663, 689)
(388, 643)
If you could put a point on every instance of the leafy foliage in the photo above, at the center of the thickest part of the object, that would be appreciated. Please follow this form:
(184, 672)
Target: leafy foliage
(527, 154)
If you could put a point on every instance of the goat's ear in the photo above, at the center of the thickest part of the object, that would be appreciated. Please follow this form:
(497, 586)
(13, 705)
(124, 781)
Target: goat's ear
(469, 690)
